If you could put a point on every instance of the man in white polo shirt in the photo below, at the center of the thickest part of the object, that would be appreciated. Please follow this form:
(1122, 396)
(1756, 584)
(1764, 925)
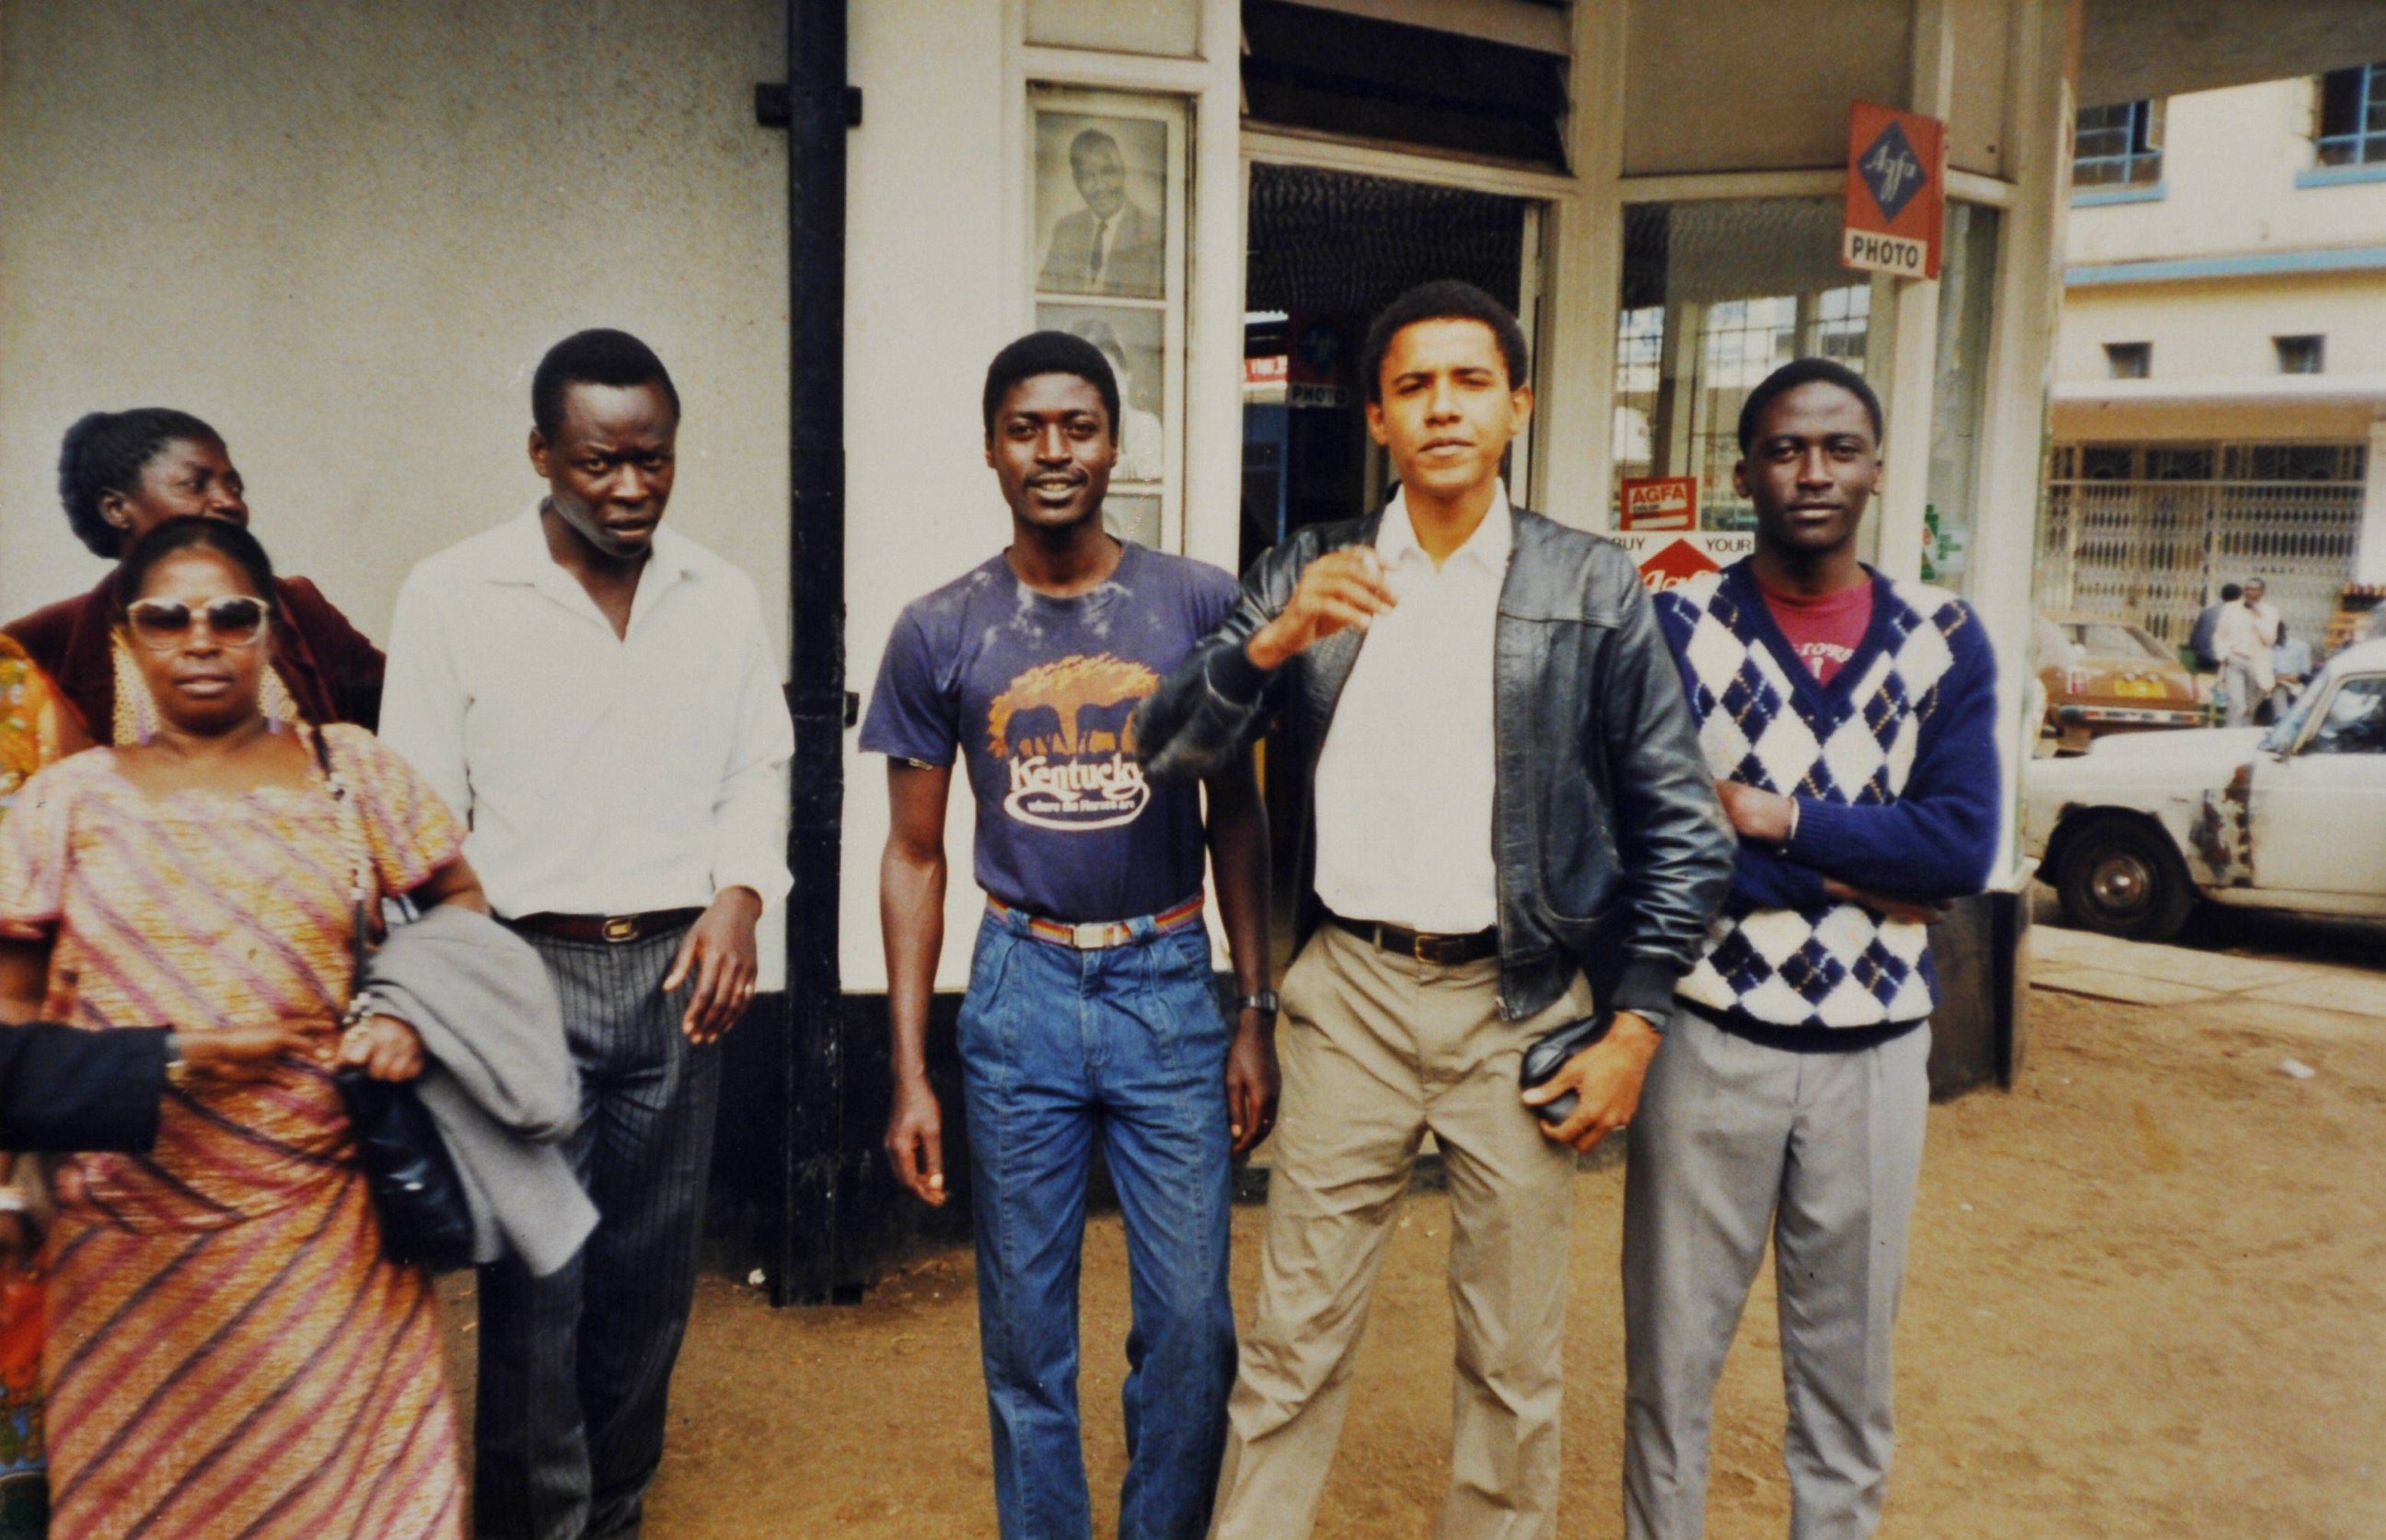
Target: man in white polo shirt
(596, 696)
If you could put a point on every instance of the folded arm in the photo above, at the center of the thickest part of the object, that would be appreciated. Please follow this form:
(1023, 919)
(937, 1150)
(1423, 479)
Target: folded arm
(1939, 839)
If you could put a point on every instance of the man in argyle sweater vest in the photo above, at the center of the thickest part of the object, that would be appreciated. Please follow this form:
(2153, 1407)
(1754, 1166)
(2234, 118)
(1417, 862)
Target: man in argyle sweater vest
(1848, 722)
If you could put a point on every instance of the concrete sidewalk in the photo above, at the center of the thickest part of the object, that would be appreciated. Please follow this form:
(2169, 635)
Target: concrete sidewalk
(2141, 973)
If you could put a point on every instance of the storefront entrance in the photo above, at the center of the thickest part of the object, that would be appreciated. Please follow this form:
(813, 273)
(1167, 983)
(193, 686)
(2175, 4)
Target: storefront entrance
(1327, 250)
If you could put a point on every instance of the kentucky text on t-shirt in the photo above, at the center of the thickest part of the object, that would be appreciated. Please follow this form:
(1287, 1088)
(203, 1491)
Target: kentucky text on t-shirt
(1038, 696)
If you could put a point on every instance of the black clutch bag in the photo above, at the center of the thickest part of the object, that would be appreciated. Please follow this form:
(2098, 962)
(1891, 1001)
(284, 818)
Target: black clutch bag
(426, 1220)
(1547, 1055)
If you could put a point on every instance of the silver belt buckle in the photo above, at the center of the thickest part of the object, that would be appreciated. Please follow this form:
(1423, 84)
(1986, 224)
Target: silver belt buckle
(1089, 936)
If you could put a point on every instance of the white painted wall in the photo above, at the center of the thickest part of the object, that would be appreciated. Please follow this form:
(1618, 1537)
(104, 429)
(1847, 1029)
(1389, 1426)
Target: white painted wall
(927, 305)
(344, 235)
(2223, 327)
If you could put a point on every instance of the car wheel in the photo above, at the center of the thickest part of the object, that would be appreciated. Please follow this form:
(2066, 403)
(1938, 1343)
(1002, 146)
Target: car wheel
(2123, 878)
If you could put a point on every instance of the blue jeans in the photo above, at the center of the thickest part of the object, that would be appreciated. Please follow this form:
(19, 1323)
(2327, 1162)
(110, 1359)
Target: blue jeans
(1058, 1047)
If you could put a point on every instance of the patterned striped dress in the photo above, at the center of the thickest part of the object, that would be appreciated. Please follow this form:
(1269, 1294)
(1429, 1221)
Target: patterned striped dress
(229, 1354)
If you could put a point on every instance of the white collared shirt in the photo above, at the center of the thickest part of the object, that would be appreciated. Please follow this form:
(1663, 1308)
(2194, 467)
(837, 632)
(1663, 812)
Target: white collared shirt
(1405, 780)
(598, 774)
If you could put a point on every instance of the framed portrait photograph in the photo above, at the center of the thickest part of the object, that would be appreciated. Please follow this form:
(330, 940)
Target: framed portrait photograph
(1101, 186)
(1134, 340)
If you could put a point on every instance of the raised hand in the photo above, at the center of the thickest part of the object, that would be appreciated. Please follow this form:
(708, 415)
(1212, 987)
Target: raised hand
(1340, 590)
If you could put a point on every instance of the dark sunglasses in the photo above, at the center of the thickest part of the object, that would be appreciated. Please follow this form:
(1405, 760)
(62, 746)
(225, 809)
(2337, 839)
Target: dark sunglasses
(235, 621)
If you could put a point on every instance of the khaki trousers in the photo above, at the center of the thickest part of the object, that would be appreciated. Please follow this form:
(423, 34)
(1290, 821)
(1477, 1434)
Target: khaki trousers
(1378, 1048)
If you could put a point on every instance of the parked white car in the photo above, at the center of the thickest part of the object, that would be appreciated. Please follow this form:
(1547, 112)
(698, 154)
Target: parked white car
(2290, 817)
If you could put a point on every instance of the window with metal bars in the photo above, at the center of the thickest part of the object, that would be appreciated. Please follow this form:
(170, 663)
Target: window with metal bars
(2148, 533)
(2352, 117)
(2117, 147)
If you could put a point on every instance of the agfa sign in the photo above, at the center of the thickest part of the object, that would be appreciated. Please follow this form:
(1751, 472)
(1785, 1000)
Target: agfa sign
(1660, 502)
(1897, 192)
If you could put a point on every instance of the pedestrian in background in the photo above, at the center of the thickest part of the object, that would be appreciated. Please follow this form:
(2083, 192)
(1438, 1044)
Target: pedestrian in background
(2248, 629)
(2201, 652)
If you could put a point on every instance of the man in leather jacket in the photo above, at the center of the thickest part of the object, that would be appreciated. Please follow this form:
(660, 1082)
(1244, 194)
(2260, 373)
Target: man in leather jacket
(1509, 825)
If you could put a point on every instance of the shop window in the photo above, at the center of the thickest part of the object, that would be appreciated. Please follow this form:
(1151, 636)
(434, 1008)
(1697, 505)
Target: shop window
(1959, 395)
(1717, 295)
(1107, 210)
(2130, 361)
(2300, 354)
(2352, 117)
(2118, 147)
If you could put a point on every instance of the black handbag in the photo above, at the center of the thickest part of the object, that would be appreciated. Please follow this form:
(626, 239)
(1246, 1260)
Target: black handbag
(426, 1220)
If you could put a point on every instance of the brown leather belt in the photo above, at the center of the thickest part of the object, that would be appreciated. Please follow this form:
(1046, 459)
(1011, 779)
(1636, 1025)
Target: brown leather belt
(1442, 951)
(615, 929)
(1100, 935)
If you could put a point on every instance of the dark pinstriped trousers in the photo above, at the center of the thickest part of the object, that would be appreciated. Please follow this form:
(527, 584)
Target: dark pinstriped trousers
(575, 1367)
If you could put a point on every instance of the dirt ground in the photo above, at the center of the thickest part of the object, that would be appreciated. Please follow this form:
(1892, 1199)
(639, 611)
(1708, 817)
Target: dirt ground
(2147, 1298)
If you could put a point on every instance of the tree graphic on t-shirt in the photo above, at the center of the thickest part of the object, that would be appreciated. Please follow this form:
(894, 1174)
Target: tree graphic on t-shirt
(1076, 705)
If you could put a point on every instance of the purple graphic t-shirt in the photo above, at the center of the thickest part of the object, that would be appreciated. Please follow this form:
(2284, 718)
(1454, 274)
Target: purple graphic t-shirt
(1037, 695)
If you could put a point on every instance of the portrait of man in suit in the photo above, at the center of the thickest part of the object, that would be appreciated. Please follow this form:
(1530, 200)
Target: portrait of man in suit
(1110, 244)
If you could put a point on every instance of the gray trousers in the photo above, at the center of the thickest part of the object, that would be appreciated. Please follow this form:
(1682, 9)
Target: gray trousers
(575, 1367)
(1821, 1151)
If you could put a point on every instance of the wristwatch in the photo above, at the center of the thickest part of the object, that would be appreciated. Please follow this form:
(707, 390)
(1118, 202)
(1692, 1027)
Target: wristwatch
(1265, 1000)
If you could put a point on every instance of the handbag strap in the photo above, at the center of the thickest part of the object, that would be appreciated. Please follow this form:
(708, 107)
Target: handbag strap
(361, 882)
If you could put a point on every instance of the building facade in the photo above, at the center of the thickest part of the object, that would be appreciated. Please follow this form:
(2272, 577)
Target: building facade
(2220, 389)
(346, 235)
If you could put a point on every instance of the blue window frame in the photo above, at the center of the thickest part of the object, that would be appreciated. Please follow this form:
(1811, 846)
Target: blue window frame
(2118, 145)
(2352, 117)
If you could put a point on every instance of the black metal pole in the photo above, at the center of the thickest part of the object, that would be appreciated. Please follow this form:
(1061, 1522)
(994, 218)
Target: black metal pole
(807, 1243)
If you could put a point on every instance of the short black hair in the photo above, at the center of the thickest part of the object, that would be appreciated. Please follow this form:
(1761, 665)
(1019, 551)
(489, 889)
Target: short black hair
(190, 531)
(598, 357)
(1087, 138)
(2230, 593)
(1444, 300)
(1807, 371)
(1049, 353)
(106, 452)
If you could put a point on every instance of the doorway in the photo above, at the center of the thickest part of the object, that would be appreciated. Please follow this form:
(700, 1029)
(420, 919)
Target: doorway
(1327, 250)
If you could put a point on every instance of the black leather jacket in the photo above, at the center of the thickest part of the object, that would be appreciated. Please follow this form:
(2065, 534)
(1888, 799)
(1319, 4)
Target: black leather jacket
(1612, 851)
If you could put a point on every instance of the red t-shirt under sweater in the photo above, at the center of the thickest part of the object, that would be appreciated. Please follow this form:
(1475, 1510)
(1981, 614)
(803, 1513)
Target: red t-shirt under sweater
(1826, 631)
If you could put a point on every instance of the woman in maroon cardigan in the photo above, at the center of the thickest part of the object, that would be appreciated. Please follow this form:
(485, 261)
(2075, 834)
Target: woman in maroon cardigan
(119, 475)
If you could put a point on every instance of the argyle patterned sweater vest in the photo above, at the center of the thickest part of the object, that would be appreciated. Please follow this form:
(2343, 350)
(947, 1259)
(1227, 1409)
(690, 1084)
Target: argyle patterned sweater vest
(1913, 711)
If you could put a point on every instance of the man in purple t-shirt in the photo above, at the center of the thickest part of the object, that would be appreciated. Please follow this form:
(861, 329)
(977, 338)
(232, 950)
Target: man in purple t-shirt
(1090, 1012)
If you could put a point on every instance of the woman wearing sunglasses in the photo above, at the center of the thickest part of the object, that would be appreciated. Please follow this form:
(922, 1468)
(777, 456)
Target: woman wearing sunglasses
(229, 1351)
(120, 475)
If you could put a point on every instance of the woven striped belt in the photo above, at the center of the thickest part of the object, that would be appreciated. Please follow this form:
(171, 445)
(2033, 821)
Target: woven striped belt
(1095, 935)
